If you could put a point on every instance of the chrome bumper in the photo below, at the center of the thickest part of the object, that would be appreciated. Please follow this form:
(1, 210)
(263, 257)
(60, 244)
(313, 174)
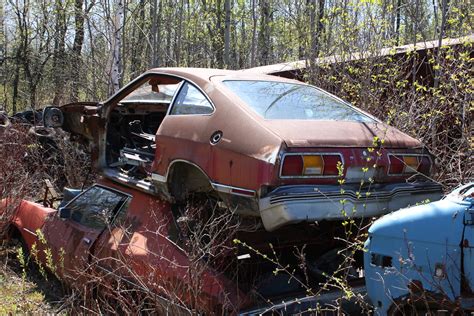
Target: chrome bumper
(292, 204)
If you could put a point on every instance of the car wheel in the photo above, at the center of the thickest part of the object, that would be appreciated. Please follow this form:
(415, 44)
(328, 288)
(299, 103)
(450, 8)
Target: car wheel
(42, 132)
(4, 121)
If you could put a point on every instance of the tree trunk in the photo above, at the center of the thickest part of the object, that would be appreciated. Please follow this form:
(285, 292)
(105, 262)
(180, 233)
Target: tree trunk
(77, 48)
(264, 34)
(116, 65)
(177, 42)
(16, 81)
(153, 31)
(397, 27)
(59, 57)
(254, 35)
(227, 33)
(139, 42)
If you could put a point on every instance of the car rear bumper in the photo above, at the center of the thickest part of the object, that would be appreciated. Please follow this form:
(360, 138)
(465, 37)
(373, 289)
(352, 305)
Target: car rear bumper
(292, 204)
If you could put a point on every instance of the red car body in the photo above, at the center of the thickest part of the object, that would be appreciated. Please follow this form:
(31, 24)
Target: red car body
(135, 246)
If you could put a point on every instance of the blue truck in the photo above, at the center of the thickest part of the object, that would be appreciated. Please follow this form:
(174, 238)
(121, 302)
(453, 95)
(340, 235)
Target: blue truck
(421, 259)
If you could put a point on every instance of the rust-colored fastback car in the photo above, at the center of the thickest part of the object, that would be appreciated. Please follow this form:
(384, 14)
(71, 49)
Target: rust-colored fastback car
(270, 147)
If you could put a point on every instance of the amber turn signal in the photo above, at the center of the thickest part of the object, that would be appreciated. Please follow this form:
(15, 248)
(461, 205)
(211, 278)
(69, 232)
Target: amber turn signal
(310, 165)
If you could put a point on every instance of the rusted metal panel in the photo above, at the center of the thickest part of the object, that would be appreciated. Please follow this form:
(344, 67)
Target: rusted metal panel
(296, 69)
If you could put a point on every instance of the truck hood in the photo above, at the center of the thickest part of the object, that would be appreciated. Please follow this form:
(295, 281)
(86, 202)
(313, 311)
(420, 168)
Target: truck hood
(307, 133)
(438, 222)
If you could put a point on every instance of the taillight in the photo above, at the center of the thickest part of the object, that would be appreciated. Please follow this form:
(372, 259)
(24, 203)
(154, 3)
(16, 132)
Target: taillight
(292, 166)
(330, 165)
(309, 165)
(425, 165)
(312, 165)
(409, 164)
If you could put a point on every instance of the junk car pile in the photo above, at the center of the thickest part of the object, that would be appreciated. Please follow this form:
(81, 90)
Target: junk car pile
(287, 160)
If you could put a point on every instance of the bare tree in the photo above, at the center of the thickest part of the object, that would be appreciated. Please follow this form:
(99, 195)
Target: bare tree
(227, 33)
(116, 63)
(59, 59)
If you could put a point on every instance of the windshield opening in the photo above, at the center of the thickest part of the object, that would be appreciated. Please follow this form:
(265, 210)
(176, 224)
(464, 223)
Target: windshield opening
(290, 101)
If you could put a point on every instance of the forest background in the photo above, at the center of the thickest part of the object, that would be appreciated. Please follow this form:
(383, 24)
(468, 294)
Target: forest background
(61, 51)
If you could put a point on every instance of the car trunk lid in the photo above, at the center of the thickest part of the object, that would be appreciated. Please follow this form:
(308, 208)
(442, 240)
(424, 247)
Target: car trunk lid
(308, 133)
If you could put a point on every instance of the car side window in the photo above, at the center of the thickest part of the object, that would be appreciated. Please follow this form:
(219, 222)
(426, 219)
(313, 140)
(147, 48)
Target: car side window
(191, 101)
(96, 207)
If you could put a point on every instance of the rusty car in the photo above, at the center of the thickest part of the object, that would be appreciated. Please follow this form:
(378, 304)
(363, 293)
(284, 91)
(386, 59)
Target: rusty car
(420, 259)
(288, 161)
(271, 148)
(112, 234)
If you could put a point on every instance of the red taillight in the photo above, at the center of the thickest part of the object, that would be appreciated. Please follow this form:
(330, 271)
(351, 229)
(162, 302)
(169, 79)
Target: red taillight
(409, 164)
(396, 165)
(292, 166)
(310, 165)
(330, 164)
(425, 165)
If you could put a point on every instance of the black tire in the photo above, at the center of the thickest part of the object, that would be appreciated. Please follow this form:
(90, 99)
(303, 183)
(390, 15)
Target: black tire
(42, 132)
(4, 121)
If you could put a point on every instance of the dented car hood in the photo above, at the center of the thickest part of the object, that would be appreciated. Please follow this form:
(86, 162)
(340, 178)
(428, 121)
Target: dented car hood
(309, 133)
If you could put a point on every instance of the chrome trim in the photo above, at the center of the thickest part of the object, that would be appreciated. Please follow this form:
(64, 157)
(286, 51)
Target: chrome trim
(228, 189)
(168, 110)
(309, 154)
(30, 232)
(408, 155)
(185, 161)
(216, 186)
(351, 194)
(293, 204)
(124, 179)
(158, 177)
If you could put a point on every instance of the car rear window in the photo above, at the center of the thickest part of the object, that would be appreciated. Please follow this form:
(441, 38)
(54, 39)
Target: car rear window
(289, 101)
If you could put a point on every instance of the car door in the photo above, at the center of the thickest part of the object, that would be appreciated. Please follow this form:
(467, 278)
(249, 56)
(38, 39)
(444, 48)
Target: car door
(187, 130)
(71, 235)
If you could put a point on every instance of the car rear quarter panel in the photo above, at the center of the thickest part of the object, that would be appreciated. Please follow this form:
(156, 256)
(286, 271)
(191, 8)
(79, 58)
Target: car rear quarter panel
(244, 157)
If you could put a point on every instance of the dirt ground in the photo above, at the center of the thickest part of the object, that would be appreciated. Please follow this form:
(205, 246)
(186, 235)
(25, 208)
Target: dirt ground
(26, 290)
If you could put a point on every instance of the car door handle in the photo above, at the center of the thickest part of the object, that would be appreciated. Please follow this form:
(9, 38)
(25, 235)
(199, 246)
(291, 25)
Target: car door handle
(86, 240)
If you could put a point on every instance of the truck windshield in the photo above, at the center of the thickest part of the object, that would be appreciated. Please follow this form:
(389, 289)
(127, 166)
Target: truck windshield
(289, 101)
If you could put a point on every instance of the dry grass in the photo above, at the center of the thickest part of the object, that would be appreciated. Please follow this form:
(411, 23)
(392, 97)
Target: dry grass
(24, 293)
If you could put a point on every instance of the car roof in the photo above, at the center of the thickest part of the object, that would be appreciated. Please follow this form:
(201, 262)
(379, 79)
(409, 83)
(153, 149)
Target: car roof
(208, 73)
